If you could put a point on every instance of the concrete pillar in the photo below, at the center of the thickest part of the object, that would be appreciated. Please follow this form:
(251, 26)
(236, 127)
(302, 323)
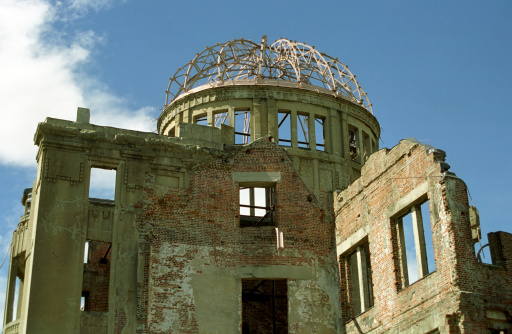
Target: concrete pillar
(333, 133)
(231, 116)
(312, 132)
(209, 117)
(359, 144)
(344, 136)
(257, 119)
(273, 119)
(293, 128)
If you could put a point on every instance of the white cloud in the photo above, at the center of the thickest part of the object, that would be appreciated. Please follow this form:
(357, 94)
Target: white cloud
(42, 77)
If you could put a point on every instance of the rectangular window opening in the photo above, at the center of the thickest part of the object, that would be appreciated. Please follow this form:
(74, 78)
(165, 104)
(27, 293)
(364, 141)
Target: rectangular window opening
(96, 277)
(303, 131)
(84, 301)
(284, 128)
(16, 307)
(201, 120)
(359, 263)
(416, 245)
(353, 144)
(102, 183)
(242, 127)
(86, 252)
(265, 306)
(320, 133)
(220, 118)
(257, 207)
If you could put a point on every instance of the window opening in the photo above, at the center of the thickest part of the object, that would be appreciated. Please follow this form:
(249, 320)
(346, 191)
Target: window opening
(320, 133)
(361, 279)
(102, 184)
(84, 301)
(303, 131)
(264, 306)
(220, 118)
(96, 277)
(17, 302)
(284, 128)
(86, 252)
(242, 127)
(352, 143)
(201, 120)
(14, 296)
(257, 206)
(416, 246)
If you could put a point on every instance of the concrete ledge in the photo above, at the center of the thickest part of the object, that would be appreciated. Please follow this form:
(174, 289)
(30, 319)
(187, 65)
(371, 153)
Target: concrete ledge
(353, 240)
(254, 179)
(275, 272)
(409, 199)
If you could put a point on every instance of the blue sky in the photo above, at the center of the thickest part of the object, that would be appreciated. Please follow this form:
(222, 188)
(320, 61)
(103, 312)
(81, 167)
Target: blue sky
(439, 71)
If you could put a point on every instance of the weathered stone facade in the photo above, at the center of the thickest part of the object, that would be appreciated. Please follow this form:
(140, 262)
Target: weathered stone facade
(297, 229)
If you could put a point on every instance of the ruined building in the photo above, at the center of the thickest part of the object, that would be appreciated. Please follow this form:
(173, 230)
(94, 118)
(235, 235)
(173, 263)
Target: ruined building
(263, 205)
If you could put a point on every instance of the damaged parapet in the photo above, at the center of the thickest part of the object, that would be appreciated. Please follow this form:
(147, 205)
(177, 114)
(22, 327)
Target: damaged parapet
(401, 229)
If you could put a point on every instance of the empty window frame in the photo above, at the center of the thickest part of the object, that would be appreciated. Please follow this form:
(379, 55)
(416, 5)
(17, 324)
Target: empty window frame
(15, 288)
(84, 301)
(102, 183)
(303, 131)
(96, 277)
(265, 306)
(220, 118)
(201, 120)
(320, 133)
(353, 144)
(257, 206)
(361, 285)
(242, 127)
(415, 243)
(284, 126)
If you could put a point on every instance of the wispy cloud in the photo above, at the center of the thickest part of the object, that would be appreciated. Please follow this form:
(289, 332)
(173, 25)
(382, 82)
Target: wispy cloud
(42, 75)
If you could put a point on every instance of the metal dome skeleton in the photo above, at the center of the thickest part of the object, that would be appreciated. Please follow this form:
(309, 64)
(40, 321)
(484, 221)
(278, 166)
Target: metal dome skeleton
(240, 61)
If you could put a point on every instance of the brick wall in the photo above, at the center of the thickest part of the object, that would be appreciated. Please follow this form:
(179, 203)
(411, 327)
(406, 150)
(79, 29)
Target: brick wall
(453, 298)
(183, 230)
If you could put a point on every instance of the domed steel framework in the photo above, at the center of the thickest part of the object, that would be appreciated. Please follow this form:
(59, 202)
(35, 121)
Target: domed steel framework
(284, 60)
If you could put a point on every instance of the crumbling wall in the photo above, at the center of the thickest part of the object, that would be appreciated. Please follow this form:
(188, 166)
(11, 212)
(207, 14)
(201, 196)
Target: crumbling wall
(196, 254)
(450, 299)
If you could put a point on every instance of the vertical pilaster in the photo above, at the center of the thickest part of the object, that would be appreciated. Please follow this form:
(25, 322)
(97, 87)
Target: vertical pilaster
(311, 131)
(256, 119)
(293, 125)
(344, 134)
(273, 119)
(231, 116)
(360, 144)
(333, 133)
(209, 117)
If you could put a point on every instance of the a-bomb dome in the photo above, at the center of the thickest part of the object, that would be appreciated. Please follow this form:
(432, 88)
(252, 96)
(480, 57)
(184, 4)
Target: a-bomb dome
(243, 62)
